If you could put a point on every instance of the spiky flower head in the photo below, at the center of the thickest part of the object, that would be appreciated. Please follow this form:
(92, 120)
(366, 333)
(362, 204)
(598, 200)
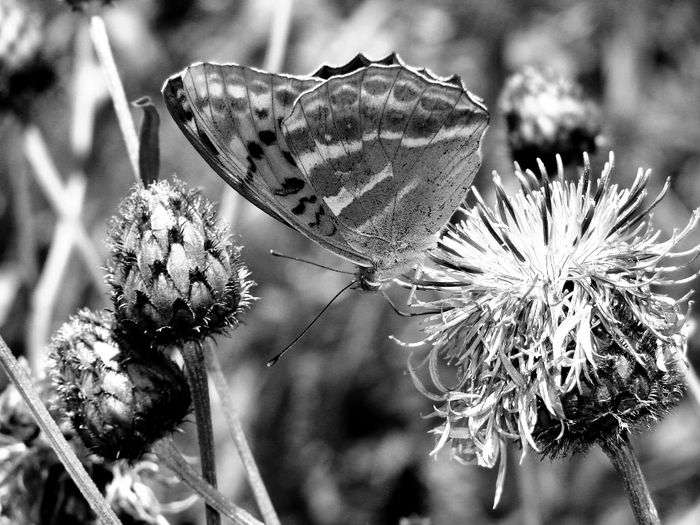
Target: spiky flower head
(548, 320)
(546, 114)
(175, 274)
(24, 72)
(118, 399)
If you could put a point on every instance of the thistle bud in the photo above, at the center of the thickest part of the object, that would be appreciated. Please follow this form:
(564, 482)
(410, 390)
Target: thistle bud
(547, 114)
(175, 274)
(634, 385)
(119, 401)
(23, 70)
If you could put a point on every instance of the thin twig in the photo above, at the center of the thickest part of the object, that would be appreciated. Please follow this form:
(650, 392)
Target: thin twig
(89, 93)
(49, 284)
(23, 216)
(19, 376)
(98, 32)
(622, 456)
(49, 180)
(274, 60)
(167, 452)
(279, 34)
(529, 490)
(193, 355)
(236, 429)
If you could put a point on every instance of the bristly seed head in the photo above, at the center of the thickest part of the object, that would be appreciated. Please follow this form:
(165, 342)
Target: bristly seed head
(119, 399)
(546, 115)
(175, 275)
(548, 320)
(24, 70)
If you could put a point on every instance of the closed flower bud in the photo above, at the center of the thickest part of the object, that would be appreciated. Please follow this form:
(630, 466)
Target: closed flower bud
(629, 390)
(175, 274)
(547, 114)
(119, 401)
(24, 71)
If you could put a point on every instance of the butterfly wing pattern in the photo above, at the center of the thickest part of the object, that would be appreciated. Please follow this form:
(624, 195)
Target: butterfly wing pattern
(369, 159)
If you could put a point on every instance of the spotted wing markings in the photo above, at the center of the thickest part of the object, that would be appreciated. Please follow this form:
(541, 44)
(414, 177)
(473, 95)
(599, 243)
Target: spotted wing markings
(224, 128)
(250, 131)
(402, 117)
(376, 158)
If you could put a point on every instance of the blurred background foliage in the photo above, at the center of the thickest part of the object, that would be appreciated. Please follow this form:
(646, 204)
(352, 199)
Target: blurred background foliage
(337, 426)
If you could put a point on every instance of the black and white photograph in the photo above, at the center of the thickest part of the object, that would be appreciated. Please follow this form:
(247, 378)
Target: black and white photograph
(336, 262)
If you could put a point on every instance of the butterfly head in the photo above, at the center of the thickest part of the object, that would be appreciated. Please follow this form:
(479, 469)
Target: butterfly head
(368, 279)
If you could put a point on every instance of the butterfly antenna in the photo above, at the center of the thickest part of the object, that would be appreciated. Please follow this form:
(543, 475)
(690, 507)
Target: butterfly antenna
(312, 263)
(309, 325)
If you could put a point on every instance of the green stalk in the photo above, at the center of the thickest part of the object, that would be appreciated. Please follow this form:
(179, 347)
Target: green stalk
(199, 385)
(624, 460)
(168, 454)
(19, 376)
(100, 40)
(236, 430)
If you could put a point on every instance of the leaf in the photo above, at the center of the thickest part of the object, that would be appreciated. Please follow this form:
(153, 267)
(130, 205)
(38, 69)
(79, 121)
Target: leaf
(149, 148)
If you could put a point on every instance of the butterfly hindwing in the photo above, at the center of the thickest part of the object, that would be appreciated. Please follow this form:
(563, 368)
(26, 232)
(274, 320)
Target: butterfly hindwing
(391, 151)
(232, 115)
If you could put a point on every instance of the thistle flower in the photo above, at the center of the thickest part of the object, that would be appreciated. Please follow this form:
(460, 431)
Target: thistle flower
(175, 275)
(548, 319)
(546, 114)
(119, 401)
(24, 72)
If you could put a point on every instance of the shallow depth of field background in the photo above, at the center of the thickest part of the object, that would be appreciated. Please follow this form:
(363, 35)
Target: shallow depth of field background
(337, 425)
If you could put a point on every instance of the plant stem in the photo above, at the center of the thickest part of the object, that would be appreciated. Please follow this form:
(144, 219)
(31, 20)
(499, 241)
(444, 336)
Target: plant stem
(100, 40)
(197, 375)
(169, 455)
(622, 456)
(62, 201)
(236, 429)
(529, 490)
(19, 376)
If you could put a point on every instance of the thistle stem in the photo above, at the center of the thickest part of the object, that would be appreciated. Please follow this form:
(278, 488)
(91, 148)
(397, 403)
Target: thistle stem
(100, 39)
(625, 461)
(199, 385)
(19, 376)
(168, 454)
(236, 429)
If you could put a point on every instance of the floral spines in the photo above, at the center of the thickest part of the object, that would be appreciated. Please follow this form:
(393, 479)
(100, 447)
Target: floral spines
(548, 316)
(628, 391)
(24, 71)
(175, 275)
(119, 399)
(547, 114)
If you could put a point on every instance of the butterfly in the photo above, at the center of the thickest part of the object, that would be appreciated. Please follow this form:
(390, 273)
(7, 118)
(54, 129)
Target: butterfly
(369, 159)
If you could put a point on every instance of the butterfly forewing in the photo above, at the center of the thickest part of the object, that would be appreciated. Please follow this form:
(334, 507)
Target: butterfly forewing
(232, 115)
(392, 153)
